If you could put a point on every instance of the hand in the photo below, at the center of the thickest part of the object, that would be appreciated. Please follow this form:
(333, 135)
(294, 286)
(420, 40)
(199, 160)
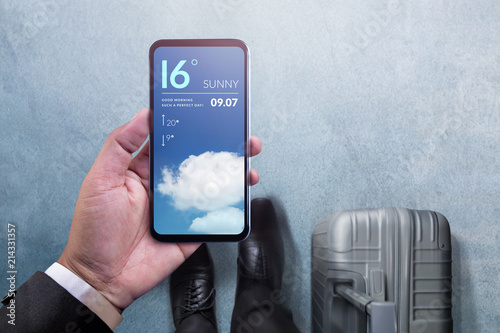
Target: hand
(110, 246)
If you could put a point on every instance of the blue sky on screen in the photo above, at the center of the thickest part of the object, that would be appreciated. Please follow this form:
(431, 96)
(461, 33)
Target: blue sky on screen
(199, 172)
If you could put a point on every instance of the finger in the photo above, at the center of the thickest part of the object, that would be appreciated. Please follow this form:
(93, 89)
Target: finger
(116, 153)
(254, 177)
(188, 248)
(255, 146)
(140, 165)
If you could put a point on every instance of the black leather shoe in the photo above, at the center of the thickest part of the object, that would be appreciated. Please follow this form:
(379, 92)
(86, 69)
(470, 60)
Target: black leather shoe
(260, 256)
(192, 293)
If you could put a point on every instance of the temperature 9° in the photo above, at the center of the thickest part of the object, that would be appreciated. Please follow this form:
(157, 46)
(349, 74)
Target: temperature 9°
(221, 102)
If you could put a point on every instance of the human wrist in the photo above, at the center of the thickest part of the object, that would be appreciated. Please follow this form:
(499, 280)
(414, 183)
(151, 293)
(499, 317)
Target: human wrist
(86, 294)
(106, 289)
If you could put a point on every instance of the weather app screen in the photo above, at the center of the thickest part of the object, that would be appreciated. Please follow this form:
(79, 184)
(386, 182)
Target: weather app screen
(199, 140)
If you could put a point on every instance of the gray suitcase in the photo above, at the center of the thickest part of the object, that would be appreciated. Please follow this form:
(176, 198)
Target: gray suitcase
(381, 271)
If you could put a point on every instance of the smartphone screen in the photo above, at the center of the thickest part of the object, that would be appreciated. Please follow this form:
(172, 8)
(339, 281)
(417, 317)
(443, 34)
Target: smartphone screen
(199, 140)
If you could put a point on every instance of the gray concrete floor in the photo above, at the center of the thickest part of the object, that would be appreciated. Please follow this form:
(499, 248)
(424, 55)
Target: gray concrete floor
(358, 103)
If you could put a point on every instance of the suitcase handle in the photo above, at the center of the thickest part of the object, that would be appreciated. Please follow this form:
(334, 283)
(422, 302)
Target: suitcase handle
(382, 315)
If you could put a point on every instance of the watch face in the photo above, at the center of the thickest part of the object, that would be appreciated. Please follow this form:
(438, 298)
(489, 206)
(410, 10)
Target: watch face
(198, 140)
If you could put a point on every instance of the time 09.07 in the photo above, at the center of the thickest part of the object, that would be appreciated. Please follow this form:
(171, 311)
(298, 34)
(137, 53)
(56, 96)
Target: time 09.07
(228, 102)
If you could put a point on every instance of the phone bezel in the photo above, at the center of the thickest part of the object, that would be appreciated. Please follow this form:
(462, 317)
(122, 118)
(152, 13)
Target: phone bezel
(195, 238)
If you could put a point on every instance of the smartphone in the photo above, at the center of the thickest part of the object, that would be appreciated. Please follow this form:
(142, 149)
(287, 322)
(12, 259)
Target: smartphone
(199, 137)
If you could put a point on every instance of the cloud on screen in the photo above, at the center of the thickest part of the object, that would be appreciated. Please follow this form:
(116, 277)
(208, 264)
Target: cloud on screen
(207, 182)
(228, 220)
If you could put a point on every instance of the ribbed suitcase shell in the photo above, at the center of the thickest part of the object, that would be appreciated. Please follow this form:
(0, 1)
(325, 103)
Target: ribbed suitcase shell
(409, 249)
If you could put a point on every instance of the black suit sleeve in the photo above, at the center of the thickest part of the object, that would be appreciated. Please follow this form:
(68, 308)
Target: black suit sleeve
(43, 306)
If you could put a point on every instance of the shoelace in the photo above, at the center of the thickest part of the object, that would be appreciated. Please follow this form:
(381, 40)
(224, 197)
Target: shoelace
(193, 303)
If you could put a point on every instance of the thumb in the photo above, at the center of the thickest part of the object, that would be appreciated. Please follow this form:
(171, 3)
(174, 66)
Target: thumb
(116, 154)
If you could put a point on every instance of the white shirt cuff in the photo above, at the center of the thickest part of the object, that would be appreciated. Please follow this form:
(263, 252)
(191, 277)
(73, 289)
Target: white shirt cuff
(86, 294)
